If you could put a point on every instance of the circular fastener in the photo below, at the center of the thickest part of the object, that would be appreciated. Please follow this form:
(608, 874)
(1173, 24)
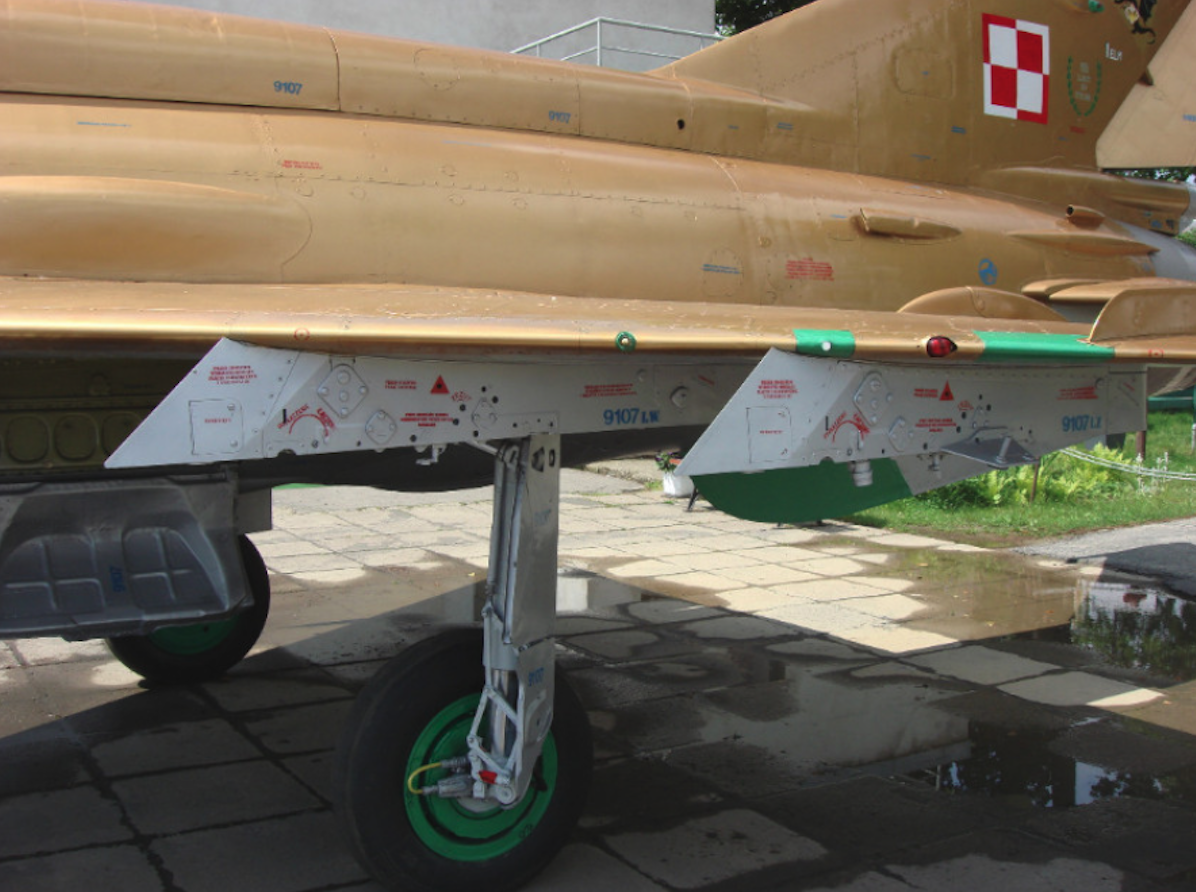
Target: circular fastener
(625, 341)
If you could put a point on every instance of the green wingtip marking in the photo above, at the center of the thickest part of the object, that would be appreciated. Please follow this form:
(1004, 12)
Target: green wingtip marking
(815, 342)
(1009, 346)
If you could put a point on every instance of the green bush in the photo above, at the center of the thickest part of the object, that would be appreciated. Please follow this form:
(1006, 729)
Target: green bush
(1061, 479)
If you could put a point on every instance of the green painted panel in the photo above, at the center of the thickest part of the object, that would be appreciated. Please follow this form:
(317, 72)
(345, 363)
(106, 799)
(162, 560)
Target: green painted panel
(815, 342)
(801, 495)
(1012, 346)
(1177, 400)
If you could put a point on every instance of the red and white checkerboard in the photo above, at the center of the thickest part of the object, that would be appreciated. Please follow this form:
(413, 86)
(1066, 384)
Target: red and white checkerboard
(1017, 69)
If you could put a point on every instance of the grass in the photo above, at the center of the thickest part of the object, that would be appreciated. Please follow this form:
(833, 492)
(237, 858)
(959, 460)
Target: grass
(1095, 501)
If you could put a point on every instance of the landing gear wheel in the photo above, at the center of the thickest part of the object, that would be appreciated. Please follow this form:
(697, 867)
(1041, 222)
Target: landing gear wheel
(417, 711)
(204, 651)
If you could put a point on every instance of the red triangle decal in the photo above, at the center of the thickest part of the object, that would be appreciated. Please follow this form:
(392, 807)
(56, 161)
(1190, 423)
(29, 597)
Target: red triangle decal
(948, 396)
(440, 386)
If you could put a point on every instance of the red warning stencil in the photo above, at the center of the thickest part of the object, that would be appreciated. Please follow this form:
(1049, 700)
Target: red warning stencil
(440, 386)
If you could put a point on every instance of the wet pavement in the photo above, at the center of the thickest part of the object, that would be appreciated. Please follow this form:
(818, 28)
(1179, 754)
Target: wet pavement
(1166, 551)
(774, 708)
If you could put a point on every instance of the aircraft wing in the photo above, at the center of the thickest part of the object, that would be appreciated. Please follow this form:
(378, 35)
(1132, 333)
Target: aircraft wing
(1145, 320)
(897, 403)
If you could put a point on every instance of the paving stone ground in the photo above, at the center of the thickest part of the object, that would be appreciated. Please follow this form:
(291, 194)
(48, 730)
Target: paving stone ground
(774, 708)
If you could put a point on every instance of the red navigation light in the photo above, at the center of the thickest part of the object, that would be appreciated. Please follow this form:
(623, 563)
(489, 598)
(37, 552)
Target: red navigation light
(939, 347)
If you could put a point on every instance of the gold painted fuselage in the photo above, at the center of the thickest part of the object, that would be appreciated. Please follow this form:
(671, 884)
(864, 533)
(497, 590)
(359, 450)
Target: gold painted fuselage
(139, 191)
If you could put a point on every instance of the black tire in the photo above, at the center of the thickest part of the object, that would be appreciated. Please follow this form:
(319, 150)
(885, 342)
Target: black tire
(407, 842)
(179, 655)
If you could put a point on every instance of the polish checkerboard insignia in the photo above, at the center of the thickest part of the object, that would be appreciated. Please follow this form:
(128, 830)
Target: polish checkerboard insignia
(1017, 69)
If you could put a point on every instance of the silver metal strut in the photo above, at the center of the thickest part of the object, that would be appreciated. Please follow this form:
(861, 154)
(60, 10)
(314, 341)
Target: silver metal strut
(515, 712)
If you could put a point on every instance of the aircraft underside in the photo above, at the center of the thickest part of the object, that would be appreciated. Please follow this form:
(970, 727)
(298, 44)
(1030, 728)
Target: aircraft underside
(150, 539)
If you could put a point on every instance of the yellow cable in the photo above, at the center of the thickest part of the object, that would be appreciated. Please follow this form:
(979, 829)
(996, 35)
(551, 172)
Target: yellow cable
(417, 773)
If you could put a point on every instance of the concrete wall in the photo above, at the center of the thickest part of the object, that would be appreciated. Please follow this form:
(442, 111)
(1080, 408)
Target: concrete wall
(492, 24)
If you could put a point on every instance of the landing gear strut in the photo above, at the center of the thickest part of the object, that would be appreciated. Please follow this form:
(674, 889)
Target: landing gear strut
(451, 778)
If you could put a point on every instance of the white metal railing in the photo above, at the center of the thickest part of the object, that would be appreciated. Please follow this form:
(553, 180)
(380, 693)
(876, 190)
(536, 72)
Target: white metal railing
(603, 49)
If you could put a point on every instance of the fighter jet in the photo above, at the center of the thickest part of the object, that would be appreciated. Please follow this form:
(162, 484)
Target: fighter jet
(859, 252)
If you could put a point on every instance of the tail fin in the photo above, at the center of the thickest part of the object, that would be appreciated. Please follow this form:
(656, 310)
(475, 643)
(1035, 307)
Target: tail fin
(1156, 125)
(944, 90)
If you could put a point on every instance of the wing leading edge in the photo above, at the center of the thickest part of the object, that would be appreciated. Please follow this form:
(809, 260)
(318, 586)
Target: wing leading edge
(1144, 321)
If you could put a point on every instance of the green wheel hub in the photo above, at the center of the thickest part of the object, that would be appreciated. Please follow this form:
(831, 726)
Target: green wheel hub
(191, 640)
(447, 826)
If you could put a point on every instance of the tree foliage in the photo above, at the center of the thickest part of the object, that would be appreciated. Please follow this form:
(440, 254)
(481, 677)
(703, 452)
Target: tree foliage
(733, 16)
(1172, 174)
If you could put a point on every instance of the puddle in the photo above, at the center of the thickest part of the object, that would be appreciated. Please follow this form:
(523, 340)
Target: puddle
(1005, 596)
(1022, 769)
(978, 595)
(697, 682)
(783, 727)
(1138, 627)
(971, 569)
(578, 592)
(967, 596)
(1131, 626)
